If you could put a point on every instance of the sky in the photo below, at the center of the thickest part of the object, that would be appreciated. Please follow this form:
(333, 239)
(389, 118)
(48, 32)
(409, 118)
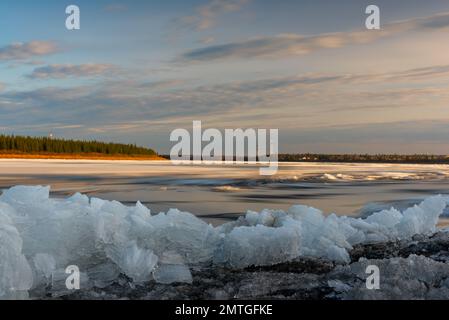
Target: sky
(136, 70)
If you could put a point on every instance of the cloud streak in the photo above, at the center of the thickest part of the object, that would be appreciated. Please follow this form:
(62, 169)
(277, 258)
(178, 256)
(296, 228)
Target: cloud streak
(23, 51)
(69, 70)
(285, 45)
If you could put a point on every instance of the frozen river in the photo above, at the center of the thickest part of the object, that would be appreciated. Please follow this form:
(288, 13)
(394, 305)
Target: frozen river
(219, 193)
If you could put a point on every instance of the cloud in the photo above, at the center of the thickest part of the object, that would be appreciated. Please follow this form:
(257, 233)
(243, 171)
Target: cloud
(23, 51)
(206, 16)
(2, 86)
(409, 75)
(69, 70)
(274, 47)
(294, 83)
(285, 45)
(64, 127)
(292, 103)
(420, 73)
(282, 83)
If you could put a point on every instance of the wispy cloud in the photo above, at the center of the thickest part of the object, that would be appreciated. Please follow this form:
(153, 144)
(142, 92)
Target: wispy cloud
(23, 51)
(206, 16)
(421, 73)
(65, 127)
(69, 70)
(285, 45)
(139, 106)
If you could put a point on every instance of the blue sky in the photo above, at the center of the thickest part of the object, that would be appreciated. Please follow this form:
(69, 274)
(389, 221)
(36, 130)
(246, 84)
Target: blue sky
(138, 69)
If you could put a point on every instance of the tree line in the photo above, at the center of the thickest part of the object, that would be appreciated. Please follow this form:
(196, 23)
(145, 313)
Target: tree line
(20, 144)
(369, 158)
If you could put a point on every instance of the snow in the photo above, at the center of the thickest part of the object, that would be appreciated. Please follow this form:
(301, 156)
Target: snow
(41, 236)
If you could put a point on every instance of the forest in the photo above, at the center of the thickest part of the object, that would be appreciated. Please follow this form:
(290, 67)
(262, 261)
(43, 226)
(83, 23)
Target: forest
(45, 145)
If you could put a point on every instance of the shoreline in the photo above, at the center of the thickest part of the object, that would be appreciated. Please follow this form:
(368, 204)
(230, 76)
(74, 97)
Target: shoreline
(68, 156)
(18, 156)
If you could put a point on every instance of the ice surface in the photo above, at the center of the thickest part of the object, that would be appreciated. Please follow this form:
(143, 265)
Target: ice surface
(41, 236)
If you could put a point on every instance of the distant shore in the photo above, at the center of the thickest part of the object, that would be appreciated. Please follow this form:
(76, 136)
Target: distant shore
(358, 158)
(374, 159)
(82, 156)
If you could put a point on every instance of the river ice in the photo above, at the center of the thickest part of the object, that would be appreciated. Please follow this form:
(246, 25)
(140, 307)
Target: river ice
(41, 236)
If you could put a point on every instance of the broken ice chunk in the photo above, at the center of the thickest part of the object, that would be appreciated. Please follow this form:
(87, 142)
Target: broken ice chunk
(25, 194)
(15, 272)
(171, 269)
(259, 245)
(135, 262)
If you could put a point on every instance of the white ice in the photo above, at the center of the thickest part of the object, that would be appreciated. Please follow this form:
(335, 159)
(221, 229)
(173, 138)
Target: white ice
(41, 236)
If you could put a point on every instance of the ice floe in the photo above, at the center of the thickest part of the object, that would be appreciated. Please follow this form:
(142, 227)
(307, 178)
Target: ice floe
(41, 236)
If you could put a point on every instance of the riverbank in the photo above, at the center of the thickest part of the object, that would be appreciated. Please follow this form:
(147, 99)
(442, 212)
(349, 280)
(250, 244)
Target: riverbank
(83, 156)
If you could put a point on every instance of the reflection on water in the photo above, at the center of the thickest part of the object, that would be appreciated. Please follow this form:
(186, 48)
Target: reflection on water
(218, 193)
